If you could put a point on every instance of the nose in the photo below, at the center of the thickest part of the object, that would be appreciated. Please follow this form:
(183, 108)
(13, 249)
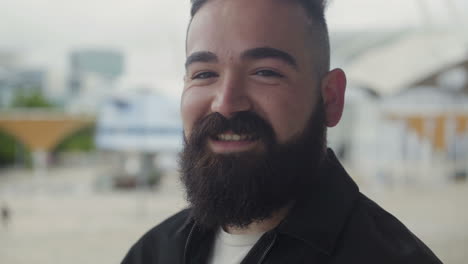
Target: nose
(231, 97)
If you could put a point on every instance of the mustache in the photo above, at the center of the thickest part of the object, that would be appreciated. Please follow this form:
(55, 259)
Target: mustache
(245, 122)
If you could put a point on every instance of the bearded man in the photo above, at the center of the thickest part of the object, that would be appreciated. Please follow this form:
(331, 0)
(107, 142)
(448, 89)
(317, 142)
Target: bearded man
(261, 183)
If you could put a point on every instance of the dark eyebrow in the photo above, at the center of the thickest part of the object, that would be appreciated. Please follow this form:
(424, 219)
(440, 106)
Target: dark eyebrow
(267, 52)
(200, 56)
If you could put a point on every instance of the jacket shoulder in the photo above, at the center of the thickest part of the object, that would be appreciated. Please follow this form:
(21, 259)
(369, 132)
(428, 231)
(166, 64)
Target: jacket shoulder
(171, 225)
(373, 235)
(167, 237)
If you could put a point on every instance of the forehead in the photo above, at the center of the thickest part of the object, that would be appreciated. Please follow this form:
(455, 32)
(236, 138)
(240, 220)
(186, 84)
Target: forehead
(232, 26)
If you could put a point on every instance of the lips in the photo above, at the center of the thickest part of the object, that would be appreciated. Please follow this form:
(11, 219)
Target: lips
(241, 132)
(231, 142)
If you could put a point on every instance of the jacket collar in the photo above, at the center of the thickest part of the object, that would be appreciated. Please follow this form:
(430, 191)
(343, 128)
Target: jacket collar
(321, 215)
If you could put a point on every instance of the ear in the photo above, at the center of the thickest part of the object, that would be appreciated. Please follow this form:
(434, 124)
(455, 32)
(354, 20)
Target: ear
(333, 91)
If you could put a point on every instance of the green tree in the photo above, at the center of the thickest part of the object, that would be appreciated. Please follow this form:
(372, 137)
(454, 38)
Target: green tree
(11, 151)
(32, 100)
(80, 141)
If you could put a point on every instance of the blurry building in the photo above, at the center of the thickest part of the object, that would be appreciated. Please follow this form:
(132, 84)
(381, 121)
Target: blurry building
(144, 129)
(17, 79)
(406, 115)
(93, 75)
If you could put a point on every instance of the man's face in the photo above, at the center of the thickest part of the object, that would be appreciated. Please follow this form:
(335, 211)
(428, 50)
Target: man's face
(254, 122)
(249, 55)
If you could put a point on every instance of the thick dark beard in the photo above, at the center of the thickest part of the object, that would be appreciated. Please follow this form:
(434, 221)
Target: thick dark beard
(238, 189)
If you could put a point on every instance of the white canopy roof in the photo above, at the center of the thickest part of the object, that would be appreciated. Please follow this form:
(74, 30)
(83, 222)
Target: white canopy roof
(403, 62)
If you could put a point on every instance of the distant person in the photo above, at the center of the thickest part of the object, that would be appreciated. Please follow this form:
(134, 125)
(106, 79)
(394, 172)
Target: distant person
(6, 214)
(261, 183)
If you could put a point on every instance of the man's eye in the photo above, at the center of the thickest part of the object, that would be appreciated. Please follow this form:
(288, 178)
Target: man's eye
(268, 73)
(204, 75)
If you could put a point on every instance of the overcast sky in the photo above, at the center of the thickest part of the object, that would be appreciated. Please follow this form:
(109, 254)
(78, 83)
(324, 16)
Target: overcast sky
(151, 32)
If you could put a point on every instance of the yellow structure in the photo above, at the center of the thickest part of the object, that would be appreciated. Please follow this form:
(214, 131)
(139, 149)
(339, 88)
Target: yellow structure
(437, 135)
(41, 131)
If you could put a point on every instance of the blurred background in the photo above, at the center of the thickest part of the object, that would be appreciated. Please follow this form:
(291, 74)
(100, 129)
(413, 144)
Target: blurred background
(90, 126)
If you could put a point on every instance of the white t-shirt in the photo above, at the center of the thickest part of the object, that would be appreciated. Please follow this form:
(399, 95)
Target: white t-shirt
(232, 249)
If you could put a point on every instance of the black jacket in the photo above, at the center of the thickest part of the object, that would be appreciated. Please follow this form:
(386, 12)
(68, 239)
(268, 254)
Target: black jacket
(334, 224)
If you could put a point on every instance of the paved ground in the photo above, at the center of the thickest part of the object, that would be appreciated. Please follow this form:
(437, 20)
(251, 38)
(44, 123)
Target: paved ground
(68, 221)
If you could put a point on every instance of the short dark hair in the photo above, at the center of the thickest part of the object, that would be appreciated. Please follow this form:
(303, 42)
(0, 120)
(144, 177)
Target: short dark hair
(315, 11)
(314, 8)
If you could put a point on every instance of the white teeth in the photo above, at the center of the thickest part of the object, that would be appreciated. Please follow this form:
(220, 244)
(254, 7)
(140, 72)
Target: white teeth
(244, 137)
(233, 137)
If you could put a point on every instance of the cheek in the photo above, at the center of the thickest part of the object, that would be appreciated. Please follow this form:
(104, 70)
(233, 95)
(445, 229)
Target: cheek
(288, 113)
(194, 105)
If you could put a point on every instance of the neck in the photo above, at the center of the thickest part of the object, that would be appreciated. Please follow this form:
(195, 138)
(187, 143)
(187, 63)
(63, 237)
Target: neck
(260, 226)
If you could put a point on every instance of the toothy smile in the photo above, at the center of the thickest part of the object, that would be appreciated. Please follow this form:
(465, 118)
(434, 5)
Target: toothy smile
(234, 137)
